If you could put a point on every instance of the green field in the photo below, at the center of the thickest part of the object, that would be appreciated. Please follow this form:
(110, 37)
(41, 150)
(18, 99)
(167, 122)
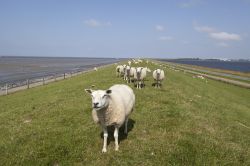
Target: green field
(187, 122)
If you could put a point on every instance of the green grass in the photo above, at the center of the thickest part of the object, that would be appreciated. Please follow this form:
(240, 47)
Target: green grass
(187, 122)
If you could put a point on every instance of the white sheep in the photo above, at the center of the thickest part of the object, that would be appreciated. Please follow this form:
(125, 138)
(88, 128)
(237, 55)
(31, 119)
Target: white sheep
(95, 69)
(123, 69)
(139, 60)
(129, 63)
(118, 70)
(127, 74)
(140, 75)
(112, 107)
(158, 76)
(132, 73)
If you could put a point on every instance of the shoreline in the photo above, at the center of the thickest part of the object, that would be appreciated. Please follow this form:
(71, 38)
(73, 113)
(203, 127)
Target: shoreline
(41, 81)
(195, 71)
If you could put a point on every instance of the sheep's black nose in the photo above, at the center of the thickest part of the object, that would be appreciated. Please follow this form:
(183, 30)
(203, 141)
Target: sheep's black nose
(95, 104)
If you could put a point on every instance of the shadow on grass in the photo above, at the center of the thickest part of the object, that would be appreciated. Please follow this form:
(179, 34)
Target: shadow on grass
(122, 135)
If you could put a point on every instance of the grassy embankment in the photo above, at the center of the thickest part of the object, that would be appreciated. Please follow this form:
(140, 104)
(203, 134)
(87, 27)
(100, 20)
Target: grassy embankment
(187, 122)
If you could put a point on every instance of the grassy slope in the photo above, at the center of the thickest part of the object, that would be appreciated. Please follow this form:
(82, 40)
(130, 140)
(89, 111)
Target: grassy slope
(186, 122)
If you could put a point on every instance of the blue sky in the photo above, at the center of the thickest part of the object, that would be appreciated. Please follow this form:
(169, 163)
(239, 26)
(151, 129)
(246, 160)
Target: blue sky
(131, 28)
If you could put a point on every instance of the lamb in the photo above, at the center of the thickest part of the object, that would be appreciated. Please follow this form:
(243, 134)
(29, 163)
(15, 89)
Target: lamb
(112, 107)
(140, 75)
(158, 76)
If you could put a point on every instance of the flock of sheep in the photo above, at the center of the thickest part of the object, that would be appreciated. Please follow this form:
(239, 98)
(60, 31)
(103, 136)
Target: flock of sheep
(113, 106)
(138, 74)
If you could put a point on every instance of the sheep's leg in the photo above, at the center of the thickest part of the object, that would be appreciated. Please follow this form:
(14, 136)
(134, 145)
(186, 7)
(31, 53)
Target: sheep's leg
(105, 137)
(116, 138)
(126, 126)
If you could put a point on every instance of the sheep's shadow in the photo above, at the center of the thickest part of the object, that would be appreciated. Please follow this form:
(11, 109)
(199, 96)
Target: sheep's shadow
(122, 135)
(154, 84)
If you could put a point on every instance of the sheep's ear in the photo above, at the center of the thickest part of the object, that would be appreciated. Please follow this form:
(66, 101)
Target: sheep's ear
(108, 91)
(88, 91)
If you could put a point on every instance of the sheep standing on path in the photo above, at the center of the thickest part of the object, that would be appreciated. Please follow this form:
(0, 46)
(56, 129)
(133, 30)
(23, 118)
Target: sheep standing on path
(140, 75)
(127, 74)
(112, 107)
(129, 63)
(158, 76)
(132, 73)
(118, 70)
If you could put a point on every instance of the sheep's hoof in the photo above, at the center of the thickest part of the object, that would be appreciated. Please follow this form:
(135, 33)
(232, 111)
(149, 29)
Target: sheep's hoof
(117, 148)
(104, 150)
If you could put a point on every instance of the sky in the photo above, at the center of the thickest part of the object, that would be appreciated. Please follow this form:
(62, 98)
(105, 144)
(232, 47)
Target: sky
(121, 29)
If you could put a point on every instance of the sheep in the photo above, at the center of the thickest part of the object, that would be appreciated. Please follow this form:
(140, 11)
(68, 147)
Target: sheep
(127, 74)
(139, 60)
(129, 63)
(112, 107)
(123, 69)
(140, 75)
(158, 76)
(95, 69)
(118, 70)
(132, 73)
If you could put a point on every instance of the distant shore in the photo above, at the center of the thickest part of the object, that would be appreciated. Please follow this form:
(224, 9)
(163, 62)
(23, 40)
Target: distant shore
(19, 69)
(241, 66)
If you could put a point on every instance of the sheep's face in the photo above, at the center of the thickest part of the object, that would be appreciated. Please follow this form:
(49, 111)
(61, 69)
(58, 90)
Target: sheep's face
(99, 98)
(158, 71)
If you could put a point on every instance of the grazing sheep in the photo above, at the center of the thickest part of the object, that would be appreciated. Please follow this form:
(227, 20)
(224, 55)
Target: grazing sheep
(118, 70)
(200, 76)
(132, 73)
(127, 74)
(129, 63)
(158, 76)
(112, 107)
(123, 69)
(140, 75)
(139, 60)
(95, 69)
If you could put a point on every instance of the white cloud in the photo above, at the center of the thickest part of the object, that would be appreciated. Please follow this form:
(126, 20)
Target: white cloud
(96, 23)
(204, 29)
(222, 44)
(159, 28)
(217, 35)
(166, 38)
(225, 36)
